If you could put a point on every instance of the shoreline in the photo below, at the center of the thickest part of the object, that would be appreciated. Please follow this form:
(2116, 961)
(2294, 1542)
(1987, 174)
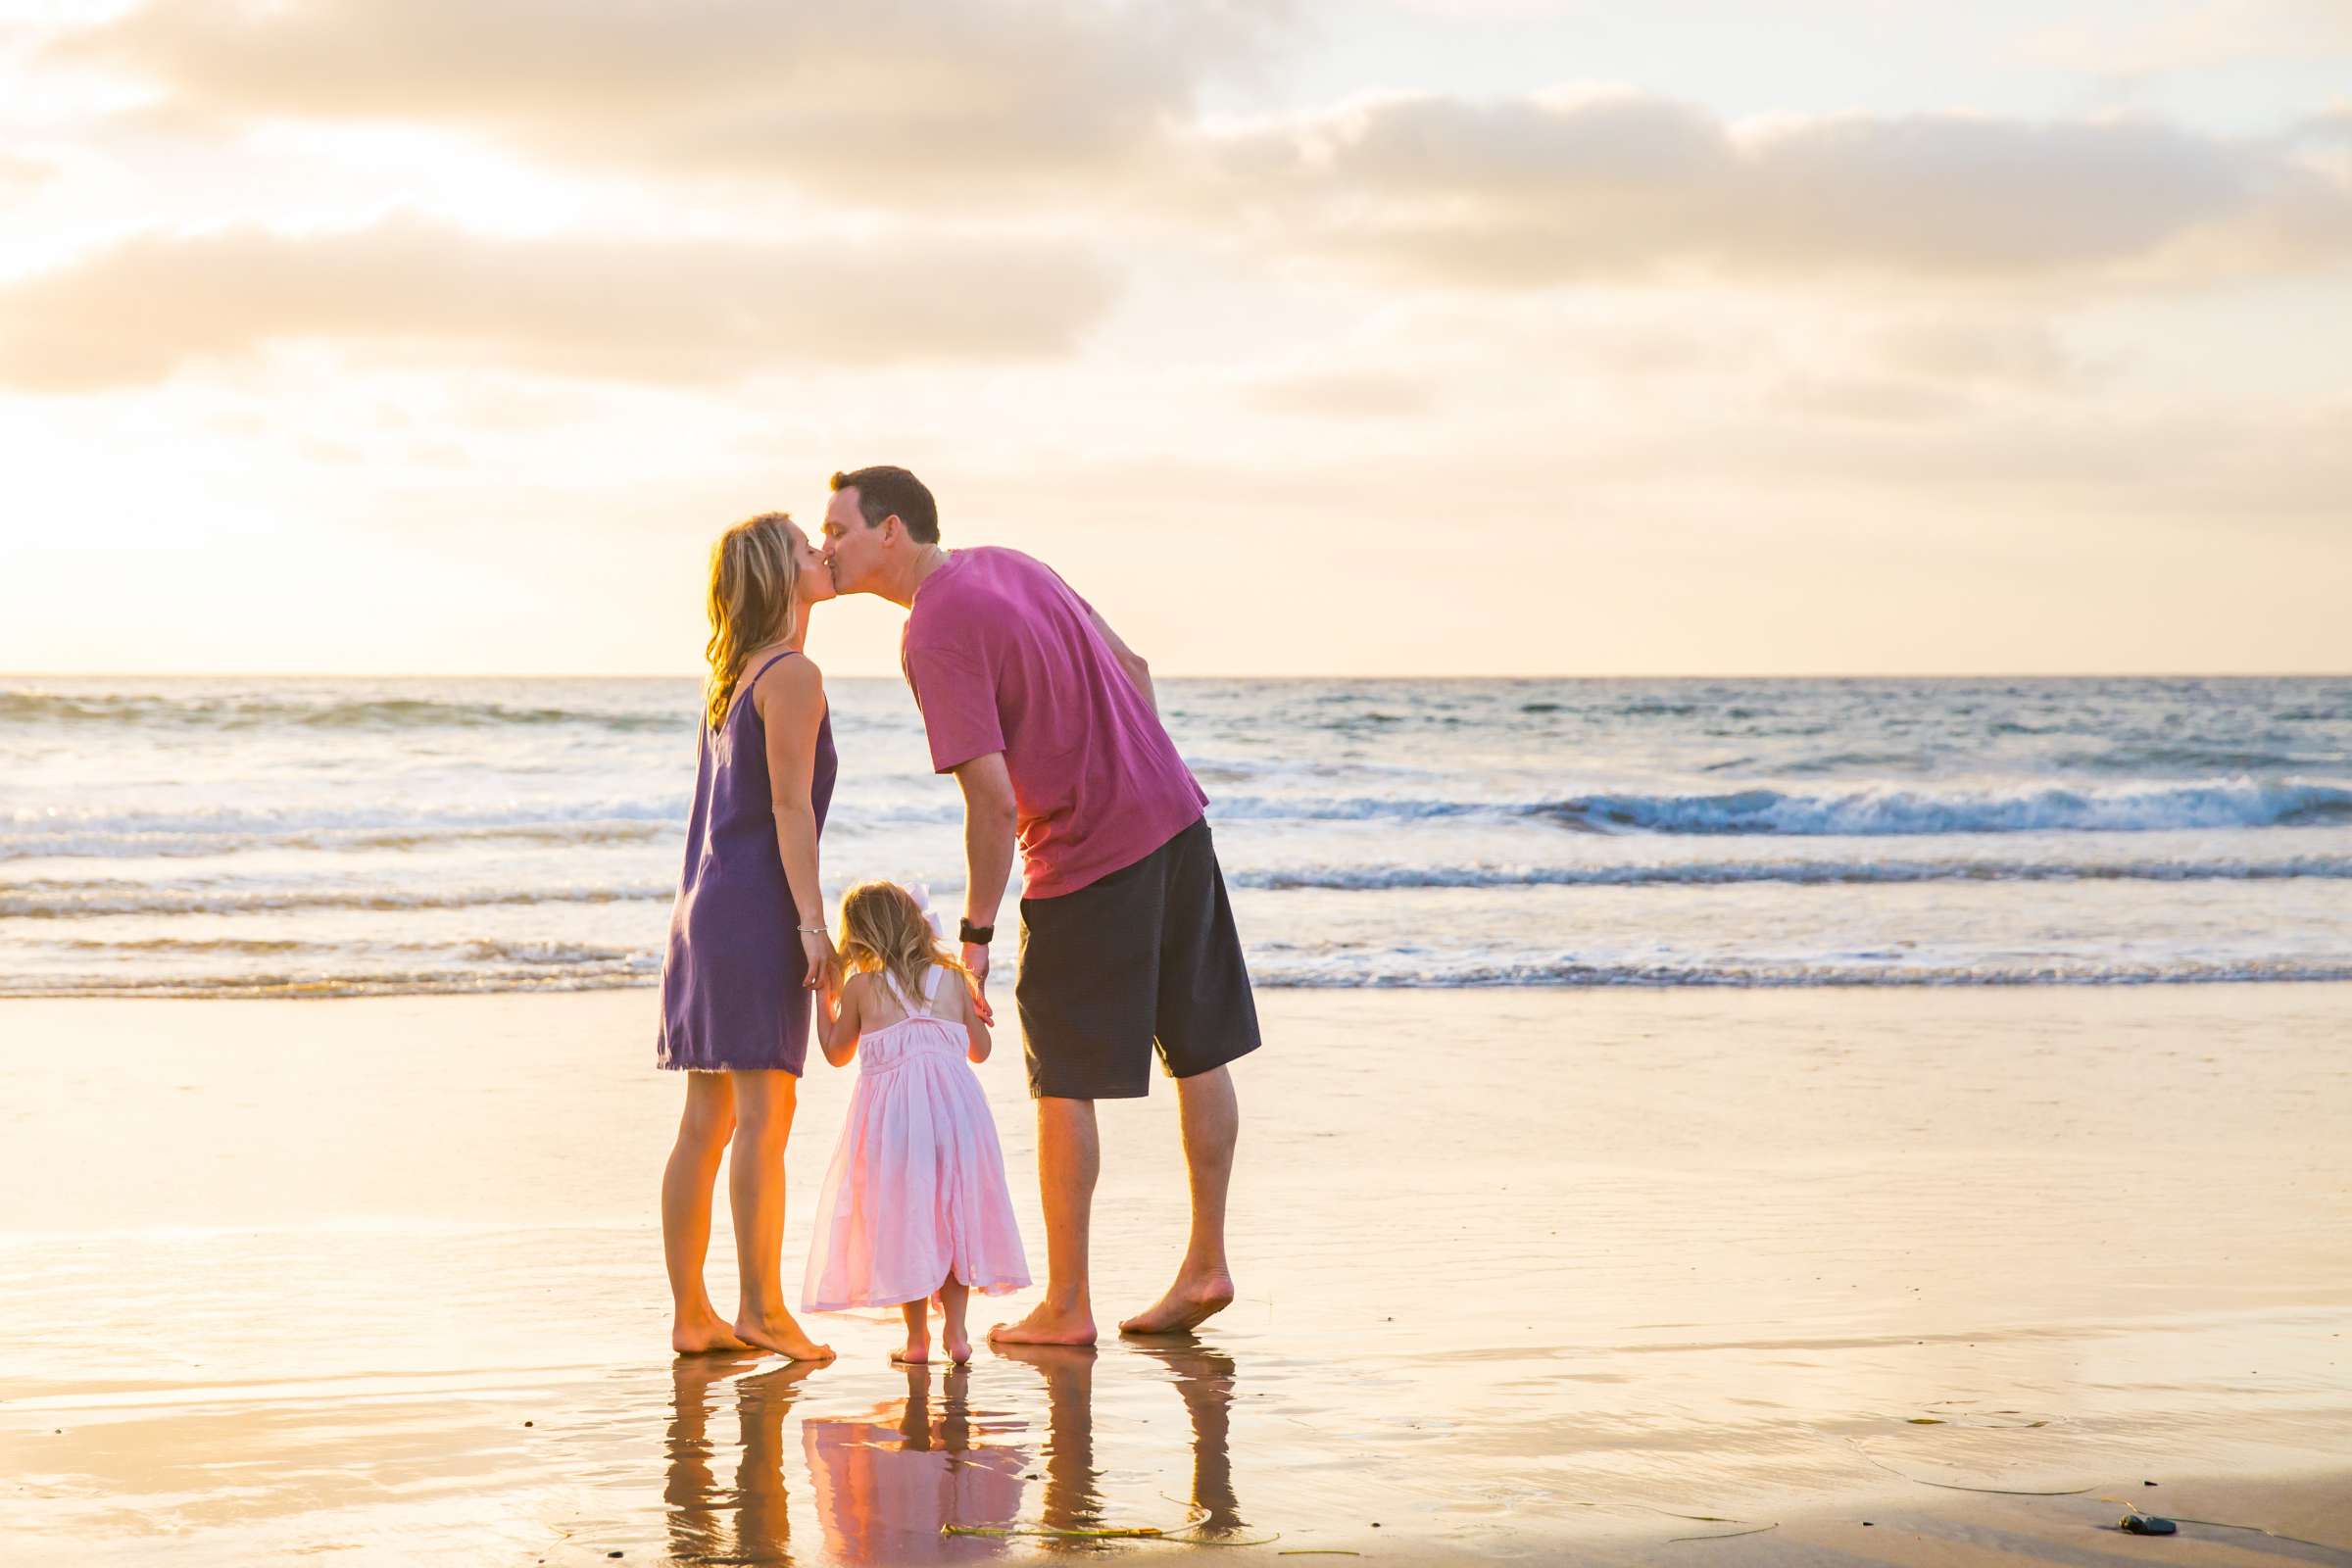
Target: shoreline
(1932, 982)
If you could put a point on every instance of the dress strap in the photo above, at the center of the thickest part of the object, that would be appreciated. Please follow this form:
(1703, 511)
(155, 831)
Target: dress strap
(789, 653)
(741, 698)
(898, 993)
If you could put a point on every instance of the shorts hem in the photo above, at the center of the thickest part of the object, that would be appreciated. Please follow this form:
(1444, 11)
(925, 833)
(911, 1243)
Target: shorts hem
(1226, 1060)
(1142, 1092)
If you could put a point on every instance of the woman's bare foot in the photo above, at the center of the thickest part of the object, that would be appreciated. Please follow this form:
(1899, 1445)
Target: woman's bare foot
(917, 1351)
(780, 1334)
(1047, 1324)
(705, 1335)
(1189, 1303)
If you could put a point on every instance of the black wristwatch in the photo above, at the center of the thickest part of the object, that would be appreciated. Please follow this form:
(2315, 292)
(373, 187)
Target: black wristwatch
(977, 935)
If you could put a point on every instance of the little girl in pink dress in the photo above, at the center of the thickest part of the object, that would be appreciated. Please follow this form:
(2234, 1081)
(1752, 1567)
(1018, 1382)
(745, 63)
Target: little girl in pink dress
(915, 1205)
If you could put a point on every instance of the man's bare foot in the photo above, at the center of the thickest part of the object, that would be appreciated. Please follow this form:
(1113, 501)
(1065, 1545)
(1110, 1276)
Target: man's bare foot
(1189, 1304)
(916, 1352)
(703, 1336)
(783, 1336)
(1047, 1325)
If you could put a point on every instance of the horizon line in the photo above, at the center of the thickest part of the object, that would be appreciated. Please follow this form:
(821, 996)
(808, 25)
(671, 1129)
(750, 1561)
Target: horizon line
(1307, 675)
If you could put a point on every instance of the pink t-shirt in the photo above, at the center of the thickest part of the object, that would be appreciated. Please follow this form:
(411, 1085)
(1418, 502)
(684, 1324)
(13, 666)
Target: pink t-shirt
(1004, 657)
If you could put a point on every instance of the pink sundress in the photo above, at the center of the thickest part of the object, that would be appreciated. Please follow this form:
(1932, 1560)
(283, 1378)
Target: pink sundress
(916, 1189)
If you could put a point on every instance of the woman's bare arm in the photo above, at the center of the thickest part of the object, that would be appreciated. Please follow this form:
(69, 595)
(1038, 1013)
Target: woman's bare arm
(791, 699)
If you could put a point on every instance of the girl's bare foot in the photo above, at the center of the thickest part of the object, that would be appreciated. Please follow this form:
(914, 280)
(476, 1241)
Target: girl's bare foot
(1047, 1324)
(1189, 1303)
(702, 1335)
(780, 1334)
(916, 1352)
(954, 1296)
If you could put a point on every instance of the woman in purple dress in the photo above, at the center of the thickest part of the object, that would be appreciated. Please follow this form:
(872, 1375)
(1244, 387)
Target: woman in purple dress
(746, 939)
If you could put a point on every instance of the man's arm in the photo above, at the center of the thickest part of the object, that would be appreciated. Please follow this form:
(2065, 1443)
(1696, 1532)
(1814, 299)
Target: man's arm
(988, 828)
(1128, 659)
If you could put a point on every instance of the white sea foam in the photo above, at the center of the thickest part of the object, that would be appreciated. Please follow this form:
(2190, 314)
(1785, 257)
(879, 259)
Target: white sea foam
(1791, 873)
(1880, 810)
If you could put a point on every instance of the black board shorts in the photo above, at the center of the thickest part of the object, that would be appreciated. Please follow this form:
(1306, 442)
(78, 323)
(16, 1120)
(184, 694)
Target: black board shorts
(1146, 956)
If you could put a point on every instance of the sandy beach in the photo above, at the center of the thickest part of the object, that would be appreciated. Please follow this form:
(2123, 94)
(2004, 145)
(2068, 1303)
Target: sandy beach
(1526, 1275)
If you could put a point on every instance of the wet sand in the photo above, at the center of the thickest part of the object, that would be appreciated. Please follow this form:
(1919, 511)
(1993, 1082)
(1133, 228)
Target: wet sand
(1525, 1275)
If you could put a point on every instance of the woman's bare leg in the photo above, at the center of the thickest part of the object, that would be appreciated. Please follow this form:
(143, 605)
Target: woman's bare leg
(763, 1107)
(695, 1325)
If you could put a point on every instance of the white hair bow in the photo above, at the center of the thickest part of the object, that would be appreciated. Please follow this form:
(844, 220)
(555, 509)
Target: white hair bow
(921, 893)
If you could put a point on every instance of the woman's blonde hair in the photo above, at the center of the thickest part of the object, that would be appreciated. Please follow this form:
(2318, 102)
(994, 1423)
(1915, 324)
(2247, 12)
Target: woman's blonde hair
(754, 588)
(883, 928)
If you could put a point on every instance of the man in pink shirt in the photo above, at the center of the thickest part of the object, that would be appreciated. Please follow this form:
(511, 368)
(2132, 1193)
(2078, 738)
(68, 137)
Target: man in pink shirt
(1048, 722)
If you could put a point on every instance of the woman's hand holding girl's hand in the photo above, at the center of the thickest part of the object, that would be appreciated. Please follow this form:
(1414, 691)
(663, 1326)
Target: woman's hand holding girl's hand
(816, 949)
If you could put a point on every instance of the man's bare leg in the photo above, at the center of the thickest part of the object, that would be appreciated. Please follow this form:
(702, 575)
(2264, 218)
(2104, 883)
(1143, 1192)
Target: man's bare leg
(1069, 1156)
(763, 1107)
(1213, 1125)
(708, 1121)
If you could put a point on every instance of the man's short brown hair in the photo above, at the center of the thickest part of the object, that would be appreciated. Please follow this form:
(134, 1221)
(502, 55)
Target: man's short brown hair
(884, 491)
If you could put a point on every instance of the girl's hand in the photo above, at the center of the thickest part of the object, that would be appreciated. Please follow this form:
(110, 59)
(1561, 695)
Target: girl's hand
(816, 950)
(975, 963)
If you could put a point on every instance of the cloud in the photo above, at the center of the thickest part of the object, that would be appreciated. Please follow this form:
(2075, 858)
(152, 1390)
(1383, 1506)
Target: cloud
(663, 311)
(2199, 37)
(878, 101)
(1973, 352)
(919, 107)
(1346, 394)
(19, 172)
(1571, 186)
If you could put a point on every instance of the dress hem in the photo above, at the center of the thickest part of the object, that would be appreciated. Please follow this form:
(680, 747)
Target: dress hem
(1000, 1287)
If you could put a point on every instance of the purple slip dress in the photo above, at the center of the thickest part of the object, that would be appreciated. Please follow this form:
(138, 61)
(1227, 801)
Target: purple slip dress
(731, 982)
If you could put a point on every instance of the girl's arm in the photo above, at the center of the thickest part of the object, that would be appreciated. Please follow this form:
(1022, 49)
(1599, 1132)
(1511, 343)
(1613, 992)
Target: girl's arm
(838, 1016)
(975, 1027)
(791, 699)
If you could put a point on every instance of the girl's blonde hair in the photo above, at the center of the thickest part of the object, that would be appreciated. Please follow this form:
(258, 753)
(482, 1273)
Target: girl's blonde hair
(883, 928)
(754, 588)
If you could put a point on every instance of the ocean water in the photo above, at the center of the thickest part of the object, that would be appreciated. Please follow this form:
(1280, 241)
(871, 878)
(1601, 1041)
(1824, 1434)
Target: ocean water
(218, 837)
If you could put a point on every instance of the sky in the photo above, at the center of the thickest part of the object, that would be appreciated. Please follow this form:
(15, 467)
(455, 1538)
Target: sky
(1352, 337)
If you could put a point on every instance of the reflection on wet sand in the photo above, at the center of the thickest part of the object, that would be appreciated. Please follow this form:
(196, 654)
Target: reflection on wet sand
(1205, 1379)
(698, 1528)
(889, 1480)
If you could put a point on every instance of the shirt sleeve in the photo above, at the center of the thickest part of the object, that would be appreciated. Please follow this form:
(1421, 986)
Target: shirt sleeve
(957, 691)
(1067, 589)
